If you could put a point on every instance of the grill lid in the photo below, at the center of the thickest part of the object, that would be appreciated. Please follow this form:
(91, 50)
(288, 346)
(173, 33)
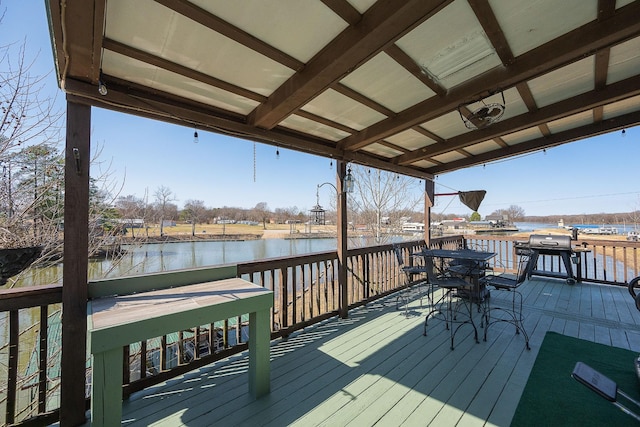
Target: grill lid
(542, 241)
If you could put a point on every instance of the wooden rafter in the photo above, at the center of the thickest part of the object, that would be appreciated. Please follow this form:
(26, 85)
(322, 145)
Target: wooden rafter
(385, 22)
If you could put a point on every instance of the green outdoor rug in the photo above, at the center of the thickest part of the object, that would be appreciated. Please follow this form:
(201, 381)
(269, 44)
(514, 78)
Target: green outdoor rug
(553, 398)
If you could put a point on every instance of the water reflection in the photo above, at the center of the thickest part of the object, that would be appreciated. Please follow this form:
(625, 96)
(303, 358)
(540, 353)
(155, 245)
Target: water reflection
(151, 258)
(157, 257)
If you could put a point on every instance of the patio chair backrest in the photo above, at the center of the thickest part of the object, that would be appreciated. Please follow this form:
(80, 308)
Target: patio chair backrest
(398, 251)
(431, 273)
(523, 263)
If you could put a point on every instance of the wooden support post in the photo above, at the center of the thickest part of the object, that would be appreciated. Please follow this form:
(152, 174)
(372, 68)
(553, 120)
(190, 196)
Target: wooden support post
(76, 254)
(429, 197)
(342, 240)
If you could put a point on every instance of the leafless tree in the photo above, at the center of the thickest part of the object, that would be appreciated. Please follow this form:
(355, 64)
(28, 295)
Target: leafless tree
(382, 200)
(163, 198)
(513, 213)
(29, 133)
(194, 211)
(261, 213)
(131, 209)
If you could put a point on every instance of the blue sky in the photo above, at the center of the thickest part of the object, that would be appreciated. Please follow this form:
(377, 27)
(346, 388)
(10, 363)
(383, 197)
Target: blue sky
(598, 175)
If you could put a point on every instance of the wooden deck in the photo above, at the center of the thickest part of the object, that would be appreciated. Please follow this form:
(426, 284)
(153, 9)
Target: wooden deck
(376, 368)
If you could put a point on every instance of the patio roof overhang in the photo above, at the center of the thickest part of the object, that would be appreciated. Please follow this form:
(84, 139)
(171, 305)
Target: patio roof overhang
(382, 83)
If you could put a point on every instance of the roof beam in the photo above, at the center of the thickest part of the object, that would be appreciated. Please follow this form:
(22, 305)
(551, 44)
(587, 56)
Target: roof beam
(492, 29)
(385, 22)
(554, 140)
(80, 27)
(606, 9)
(344, 9)
(571, 47)
(586, 101)
(411, 66)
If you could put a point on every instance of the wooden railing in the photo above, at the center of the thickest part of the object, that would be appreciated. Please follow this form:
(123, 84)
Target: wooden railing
(31, 395)
(306, 291)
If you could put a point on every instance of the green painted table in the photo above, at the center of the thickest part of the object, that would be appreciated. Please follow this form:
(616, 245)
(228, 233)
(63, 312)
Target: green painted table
(114, 322)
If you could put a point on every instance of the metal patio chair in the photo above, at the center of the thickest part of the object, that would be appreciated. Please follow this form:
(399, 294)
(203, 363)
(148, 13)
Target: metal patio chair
(505, 282)
(410, 273)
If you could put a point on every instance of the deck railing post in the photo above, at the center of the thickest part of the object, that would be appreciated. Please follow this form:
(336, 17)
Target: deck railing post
(12, 381)
(43, 350)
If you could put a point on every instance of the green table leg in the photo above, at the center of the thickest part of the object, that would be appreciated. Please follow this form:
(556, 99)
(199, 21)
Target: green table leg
(106, 388)
(259, 354)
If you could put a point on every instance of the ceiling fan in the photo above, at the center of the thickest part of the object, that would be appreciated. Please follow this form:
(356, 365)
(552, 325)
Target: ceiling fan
(482, 116)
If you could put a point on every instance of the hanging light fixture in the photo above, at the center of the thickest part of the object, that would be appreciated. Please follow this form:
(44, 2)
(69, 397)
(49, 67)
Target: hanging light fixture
(277, 153)
(102, 87)
(195, 137)
(348, 182)
(624, 132)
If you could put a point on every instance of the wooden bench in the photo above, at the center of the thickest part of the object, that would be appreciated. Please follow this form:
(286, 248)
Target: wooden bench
(118, 320)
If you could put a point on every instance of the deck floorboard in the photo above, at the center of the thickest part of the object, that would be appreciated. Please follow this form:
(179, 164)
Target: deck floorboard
(377, 368)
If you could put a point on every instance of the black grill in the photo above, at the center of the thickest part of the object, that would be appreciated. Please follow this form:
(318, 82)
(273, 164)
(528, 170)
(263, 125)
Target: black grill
(554, 245)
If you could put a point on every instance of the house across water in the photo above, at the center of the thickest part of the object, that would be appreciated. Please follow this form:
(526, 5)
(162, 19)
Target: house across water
(595, 229)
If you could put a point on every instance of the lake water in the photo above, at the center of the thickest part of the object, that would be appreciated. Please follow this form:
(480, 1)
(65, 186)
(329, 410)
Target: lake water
(156, 257)
(533, 226)
(151, 258)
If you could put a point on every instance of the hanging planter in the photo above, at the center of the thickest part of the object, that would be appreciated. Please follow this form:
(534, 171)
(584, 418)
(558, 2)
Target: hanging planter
(15, 260)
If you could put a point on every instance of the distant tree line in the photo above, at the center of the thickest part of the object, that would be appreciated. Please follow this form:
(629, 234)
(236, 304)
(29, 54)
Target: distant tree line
(162, 208)
(600, 218)
(517, 214)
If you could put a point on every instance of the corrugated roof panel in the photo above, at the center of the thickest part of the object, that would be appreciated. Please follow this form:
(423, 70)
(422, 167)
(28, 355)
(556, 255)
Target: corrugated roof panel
(527, 24)
(570, 122)
(148, 75)
(311, 127)
(446, 126)
(382, 150)
(452, 46)
(626, 106)
(388, 83)
(624, 60)
(564, 83)
(300, 29)
(344, 110)
(449, 157)
(424, 164)
(482, 147)
(188, 43)
(410, 139)
(522, 136)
